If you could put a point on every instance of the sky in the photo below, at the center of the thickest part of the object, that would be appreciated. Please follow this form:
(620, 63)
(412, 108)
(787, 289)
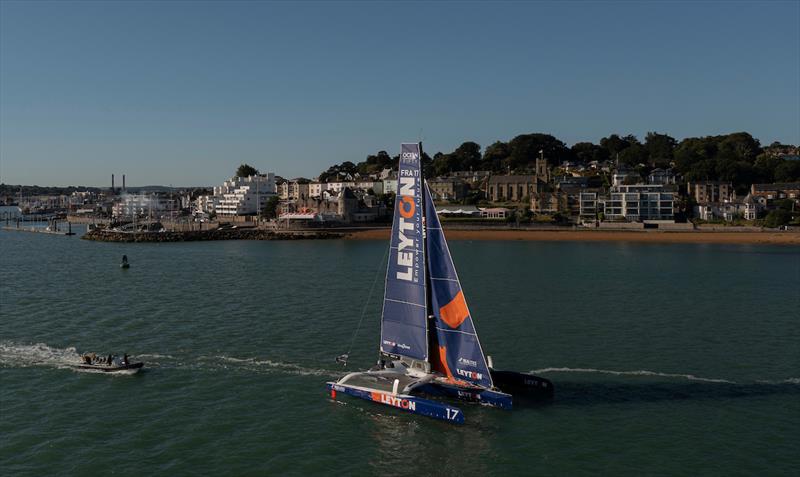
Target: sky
(180, 93)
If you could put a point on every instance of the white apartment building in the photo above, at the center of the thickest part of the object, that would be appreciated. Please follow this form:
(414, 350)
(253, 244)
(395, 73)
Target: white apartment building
(153, 205)
(337, 186)
(639, 202)
(244, 195)
(390, 183)
(367, 184)
(315, 189)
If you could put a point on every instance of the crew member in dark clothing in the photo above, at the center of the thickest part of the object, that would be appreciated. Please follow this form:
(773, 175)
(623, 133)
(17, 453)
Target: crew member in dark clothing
(108, 362)
(125, 359)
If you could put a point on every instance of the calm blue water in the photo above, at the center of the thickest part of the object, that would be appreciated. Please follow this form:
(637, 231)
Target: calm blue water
(667, 359)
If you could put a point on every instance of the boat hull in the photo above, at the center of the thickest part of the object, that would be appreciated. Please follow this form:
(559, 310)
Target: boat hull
(404, 402)
(523, 385)
(134, 367)
(486, 397)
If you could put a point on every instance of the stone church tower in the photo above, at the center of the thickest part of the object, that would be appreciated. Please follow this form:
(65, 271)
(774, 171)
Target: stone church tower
(542, 173)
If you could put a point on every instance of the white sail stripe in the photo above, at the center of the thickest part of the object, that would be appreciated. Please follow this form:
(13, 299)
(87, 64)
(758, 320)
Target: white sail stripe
(405, 302)
(445, 279)
(457, 331)
(434, 228)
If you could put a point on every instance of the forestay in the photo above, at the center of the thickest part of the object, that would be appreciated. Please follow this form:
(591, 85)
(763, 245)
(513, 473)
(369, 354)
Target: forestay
(404, 319)
(459, 353)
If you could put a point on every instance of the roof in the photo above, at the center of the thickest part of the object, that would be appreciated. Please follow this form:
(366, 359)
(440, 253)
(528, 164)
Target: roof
(777, 186)
(457, 209)
(514, 179)
(495, 209)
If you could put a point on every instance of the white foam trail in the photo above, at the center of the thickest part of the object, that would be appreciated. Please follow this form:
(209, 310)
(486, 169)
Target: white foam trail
(290, 368)
(641, 372)
(155, 356)
(39, 354)
(782, 381)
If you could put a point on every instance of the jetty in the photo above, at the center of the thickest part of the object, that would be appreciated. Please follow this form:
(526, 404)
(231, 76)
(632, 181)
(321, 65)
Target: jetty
(53, 228)
(104, 235)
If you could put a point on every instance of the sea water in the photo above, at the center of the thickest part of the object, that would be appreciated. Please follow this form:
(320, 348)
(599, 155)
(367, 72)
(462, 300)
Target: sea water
(666, 358)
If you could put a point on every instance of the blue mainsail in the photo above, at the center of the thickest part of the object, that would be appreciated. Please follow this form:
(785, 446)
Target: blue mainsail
(459, 355)
(404, 330)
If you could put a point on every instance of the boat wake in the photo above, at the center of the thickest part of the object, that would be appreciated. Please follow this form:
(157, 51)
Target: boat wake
(22, 356)
(641, 372)
(14, 355)
(275, 366)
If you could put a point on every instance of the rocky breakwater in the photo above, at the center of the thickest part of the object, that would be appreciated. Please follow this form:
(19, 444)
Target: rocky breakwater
(101, 235)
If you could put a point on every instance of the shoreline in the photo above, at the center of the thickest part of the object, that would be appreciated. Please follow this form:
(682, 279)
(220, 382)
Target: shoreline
(638, 236)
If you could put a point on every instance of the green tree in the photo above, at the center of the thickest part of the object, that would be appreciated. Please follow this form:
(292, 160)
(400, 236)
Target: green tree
(270, 210)
(246, 170)
(660, 148)
(525, 150)
(614, 144)
(586, 152)
(787, 171)
(467, 156)
(777, 217)
(495, 156)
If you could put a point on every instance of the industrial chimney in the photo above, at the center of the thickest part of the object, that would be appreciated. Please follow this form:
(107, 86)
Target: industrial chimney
(112, 182)
(123, 182)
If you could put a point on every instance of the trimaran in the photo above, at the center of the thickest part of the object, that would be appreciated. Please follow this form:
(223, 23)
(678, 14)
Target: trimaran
(429, 346)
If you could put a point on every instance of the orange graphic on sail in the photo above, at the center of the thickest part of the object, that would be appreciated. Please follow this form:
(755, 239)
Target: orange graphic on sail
(455, 312)
(443, 363)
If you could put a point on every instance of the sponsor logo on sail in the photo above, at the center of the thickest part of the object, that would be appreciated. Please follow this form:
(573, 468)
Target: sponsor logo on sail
(409, 156)
(407, 211)
(396, 345)
(469, 374)
(468, 362)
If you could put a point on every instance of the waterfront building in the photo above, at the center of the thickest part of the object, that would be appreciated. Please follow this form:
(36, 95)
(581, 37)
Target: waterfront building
(495, 212)
(639, 202)
(710, 192)
(447, 188)
(244, 195)
(141, 205)
(752, 207)
(511, 188)
(778, 191)
(589, 205)
(294, 189)
(471, 177)
(390, 182)
(662, 176)
(315, 188)
(206, 204)
(367, 184)
(339, 185)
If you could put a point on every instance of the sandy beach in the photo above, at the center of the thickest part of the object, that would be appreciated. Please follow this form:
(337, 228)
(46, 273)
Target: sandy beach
(654, 236)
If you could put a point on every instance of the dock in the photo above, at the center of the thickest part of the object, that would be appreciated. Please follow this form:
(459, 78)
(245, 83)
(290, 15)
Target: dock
(38, 230)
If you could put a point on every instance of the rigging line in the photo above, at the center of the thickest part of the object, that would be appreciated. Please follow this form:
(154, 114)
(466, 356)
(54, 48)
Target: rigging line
(369, 298)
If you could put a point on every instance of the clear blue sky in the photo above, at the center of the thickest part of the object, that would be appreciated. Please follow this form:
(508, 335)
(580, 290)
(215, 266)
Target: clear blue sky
(181, 93)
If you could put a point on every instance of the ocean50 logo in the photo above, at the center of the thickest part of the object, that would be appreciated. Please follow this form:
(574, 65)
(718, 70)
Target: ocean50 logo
(469, 374)
(409, 156)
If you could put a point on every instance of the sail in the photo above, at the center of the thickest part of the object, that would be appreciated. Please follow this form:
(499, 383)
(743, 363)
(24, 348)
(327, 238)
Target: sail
(404, 329)
(458, 352)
